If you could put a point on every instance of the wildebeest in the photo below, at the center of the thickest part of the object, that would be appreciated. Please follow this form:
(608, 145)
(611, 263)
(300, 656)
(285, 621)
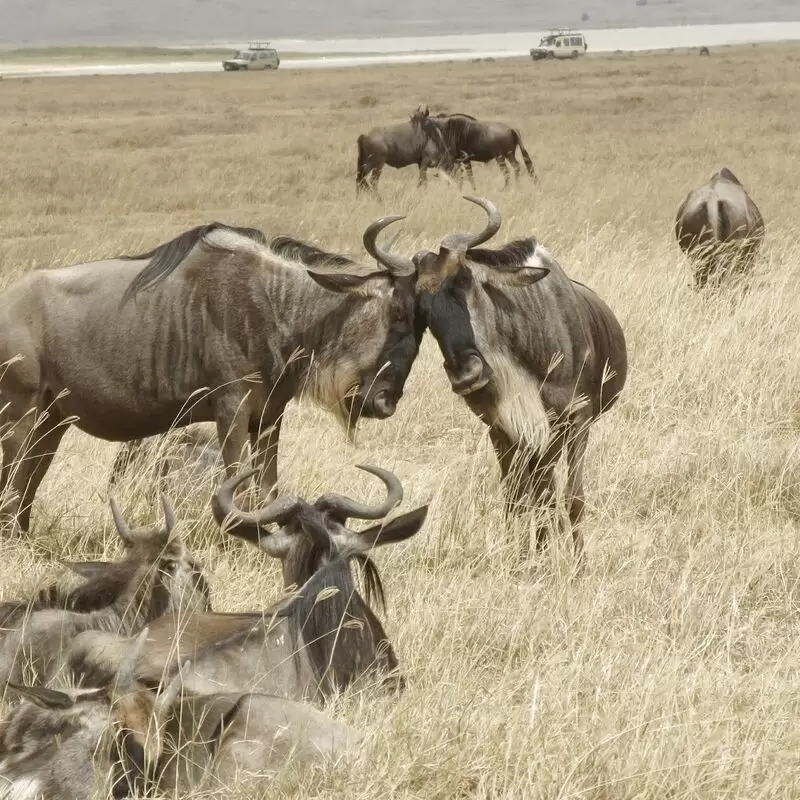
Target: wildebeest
(720, 228)
(157, 576)
(128, 739)
(215, 325)
(535, 355)
(418, 141)
(305, 648)
(183, 456)
(469, 139)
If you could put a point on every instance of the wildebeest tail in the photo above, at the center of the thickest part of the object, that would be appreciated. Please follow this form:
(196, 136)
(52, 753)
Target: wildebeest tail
(525, 157)
(723, 222)
(362, 167)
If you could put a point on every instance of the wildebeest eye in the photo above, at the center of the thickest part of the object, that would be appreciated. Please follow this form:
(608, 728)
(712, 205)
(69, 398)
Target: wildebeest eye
(169, 565)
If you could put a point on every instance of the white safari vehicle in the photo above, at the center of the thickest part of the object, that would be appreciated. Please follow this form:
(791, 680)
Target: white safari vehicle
(259, 55)
(560, 44)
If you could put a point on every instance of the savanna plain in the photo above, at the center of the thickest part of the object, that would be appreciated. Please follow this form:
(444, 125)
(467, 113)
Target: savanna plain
(668, 668)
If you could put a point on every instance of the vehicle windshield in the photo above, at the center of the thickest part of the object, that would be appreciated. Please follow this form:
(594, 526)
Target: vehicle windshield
(545, 40)
(243, 54)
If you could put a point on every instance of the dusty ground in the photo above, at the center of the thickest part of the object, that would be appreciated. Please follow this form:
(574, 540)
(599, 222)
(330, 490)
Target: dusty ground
(669, 669)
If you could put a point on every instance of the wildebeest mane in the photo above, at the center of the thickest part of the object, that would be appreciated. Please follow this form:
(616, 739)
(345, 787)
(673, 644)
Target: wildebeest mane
(306, 253)
(510, 254)
(167, 257)
(443, 115)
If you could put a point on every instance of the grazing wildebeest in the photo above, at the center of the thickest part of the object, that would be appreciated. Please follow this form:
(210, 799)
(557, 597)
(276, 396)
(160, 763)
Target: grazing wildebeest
(306, 648)
(720, 228)
(469, 139)
(128, 739)
(535, 355)
(184, 456)
(216, 325)
(418, 141)
(158, 576)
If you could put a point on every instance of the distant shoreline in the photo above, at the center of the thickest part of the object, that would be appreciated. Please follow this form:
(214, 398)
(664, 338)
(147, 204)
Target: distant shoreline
(339, 53)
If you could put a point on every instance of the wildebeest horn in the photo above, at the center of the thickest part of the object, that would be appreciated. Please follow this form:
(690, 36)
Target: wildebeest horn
(122, 527)
(126, 674)
(397, 265)
(251, 526)
(169, 513)
(464, 241)
(164, 701)
(344, 507)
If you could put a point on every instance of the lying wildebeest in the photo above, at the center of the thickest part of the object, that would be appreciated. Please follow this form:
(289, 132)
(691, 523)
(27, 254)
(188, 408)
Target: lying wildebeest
(418, 141)
(83, 598)
(186, 456)
(215, 325)
(158, 576)
(535, 355)
(129, 740)
(720, 228)
(469, 139)
(322, 640)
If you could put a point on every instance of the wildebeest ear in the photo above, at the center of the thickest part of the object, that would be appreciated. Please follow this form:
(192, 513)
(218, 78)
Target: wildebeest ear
(397, 530)
(88, 569)
(43, 697)
(209, 715)
(365, 285)
(524, 276)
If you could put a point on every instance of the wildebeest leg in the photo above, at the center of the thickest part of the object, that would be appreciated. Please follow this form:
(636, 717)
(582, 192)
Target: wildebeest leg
(541, 486)
(28, 451)
(501, 161)
(264, 450)
(423, 175)
(127, 453)
(231, 415)
(576, 452)
(36, 456)
(527, 479)
(15, 435)
(374, 178)
(470, 176)
(514, 163)
(704, 266)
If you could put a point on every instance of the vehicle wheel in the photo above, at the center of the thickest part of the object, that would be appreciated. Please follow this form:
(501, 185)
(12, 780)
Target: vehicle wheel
(574, 54)
(551, 55)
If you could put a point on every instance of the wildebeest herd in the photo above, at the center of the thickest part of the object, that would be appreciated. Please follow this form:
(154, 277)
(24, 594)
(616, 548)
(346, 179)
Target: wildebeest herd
(129, 680)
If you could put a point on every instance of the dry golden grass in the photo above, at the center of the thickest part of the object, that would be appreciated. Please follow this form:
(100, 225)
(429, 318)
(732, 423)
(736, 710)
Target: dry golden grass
(669, 669)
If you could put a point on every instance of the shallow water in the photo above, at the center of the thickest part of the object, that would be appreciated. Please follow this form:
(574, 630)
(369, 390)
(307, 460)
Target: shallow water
(206, 21)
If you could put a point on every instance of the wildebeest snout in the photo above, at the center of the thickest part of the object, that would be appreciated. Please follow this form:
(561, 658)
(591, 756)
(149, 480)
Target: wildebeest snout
(470, 374)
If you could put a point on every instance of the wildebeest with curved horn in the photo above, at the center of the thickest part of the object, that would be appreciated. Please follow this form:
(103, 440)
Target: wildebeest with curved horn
(67, 745)
(535, 355)
(418, 141)
(158, 576)
(216, 325)
(469, 139)
(319, 642)
(720, 228)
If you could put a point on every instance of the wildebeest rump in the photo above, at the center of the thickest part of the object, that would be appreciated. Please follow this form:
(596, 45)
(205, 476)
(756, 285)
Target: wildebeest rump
(67, 745)
(157, 576)
(720, 228)
(308, 647)
(418, 141)
(534, 354)
(215, 325)
(469, 139)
